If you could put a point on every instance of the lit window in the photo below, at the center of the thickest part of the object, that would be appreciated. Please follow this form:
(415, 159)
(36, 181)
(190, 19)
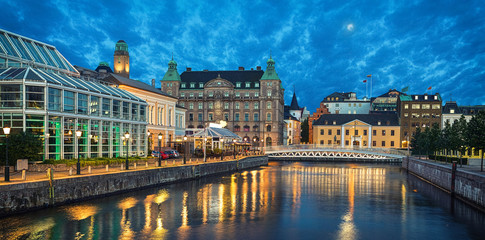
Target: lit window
(248, 84)
(238, 84)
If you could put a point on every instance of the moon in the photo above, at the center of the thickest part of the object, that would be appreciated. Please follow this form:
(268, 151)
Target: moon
(350, 27)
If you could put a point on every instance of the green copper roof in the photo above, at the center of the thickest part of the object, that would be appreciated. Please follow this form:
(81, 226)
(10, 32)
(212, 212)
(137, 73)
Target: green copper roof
(405, 97)
(171, 74)
(270, 73)
(104, 64)
(121, 46)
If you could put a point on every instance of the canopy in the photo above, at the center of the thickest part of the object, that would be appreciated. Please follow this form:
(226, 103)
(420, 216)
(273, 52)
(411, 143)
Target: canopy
(216, 133)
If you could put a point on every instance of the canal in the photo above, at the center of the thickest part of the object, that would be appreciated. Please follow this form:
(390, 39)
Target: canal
(279, 201)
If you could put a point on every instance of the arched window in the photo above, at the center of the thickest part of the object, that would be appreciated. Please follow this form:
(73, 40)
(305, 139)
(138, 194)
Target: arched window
(268, 128)
(237, 128)
(268, 141)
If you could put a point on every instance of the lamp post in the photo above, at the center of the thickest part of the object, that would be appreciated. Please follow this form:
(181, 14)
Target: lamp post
(127, 137)
(148, 140)
(234, 143)
(185, 149)
(6, 131)
(254, 145)
(78, 164)
(222, 148)
(262, 146)
(159, 150)
(205, 146)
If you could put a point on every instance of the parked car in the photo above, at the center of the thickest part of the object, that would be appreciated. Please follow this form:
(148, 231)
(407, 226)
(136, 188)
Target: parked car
(156, 154)
(176, 153)
(170, 154)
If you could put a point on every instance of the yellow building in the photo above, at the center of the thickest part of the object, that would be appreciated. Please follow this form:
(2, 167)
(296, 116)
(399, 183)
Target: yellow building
(163, 116)
(357, 130)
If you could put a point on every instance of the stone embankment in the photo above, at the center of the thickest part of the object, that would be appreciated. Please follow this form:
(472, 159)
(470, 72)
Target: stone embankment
(21, 197)
(466, 185)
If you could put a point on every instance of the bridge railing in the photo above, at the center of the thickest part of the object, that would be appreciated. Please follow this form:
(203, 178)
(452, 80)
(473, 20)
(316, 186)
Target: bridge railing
(299, 147)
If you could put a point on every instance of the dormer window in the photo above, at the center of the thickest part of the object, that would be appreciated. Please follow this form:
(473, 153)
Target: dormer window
(452, 110)
(425, 97)
(238, 84)
(201, 85)
(248, 84)
(192, 85)
(415, 97)
(379, 123)
(256, 85)
(435, 97)
(183, 85)
(334, 123)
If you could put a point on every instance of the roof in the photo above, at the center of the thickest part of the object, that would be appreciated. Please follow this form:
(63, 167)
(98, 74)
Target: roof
(120, 80)
(216, 132)
(252, 76)
(21, 49)
(287, 115)
(420, 98)
(449, 106)
(60, 79)
(172, 73)
(339, 97)
(294, 103)
(392, 93)
(386, 119)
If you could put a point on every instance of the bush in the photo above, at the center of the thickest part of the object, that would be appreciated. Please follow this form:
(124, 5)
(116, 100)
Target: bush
(24, 145)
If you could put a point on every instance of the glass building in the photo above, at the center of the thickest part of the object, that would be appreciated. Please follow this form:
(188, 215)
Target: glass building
(41, 92)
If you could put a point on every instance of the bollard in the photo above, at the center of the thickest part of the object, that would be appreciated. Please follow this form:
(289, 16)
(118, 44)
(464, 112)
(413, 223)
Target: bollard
(24, 177)
(134, 166)
(174, 162)
(70, 171)
(166, 161)
(107, 168)
(190, 160)
(89, 170)
(121, 167)
(146, 164)
(156, 164)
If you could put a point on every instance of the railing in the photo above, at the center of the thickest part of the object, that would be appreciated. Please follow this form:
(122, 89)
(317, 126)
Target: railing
(318, 147)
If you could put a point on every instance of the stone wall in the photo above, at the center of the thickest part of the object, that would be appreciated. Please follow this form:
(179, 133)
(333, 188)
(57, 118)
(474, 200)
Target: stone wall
(468, 185)
(22, 197)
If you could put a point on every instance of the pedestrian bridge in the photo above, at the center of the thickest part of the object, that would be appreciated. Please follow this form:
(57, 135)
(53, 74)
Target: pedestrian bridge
(315, 152)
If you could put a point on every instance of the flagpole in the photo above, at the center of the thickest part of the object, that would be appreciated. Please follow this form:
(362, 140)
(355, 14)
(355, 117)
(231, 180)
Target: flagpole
(371, 86)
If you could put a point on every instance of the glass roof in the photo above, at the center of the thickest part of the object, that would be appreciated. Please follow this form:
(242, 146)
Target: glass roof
(31, 74)
(29, 51)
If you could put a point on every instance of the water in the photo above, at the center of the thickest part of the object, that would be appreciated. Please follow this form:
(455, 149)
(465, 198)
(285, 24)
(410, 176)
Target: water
(280, 201)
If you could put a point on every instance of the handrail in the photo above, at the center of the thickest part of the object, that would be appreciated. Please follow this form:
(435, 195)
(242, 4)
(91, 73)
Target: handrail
(300, 147)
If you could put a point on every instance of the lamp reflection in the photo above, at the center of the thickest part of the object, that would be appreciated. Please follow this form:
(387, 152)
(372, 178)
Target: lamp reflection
(125, 223)
(347, 227)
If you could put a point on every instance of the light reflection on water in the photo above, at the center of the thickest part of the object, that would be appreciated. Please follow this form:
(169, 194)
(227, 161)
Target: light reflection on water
(281, 201)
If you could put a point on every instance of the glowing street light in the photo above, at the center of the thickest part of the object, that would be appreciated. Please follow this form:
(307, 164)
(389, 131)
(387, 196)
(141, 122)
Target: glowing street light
(6, 131)
(185, 149)
(78, 164)
(159, 150)
(127, 137)
(234, 143)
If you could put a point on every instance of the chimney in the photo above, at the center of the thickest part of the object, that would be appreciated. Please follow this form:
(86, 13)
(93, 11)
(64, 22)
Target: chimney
(153, 82)
(252, 69)
(258, 68)
(189, 69)
(241, 68)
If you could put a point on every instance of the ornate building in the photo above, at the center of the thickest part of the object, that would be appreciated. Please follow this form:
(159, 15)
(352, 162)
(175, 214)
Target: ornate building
(315, 116)
(249, 101)
(121, 59)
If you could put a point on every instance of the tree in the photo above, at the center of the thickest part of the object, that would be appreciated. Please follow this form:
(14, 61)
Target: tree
(416, 141)
(447, 140)
(24, 145)
(433, 138)
(475, 133)
(305, 131)
(458, 136)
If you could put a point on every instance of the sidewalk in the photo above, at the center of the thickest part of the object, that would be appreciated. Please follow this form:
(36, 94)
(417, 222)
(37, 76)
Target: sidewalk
(16, 177)
(465, 168)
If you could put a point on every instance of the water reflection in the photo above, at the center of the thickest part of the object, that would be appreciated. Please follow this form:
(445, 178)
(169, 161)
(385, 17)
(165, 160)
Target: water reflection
(281, 201)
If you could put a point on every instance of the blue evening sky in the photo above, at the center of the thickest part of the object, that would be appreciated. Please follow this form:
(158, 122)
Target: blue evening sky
(319, 46)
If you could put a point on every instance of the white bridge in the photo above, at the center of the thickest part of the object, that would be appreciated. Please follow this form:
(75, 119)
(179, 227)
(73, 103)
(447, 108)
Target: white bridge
(314, 152)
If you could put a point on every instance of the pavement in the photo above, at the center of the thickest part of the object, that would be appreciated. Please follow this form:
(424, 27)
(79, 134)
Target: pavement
(150, 163)
(466, 168)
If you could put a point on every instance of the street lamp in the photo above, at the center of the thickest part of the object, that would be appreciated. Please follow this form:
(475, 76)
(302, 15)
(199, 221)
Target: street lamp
(127, 137)
(234, 142)
(185, 149)
(222, 148)
(6, 131)
(78, 164)
(159, 150)
(205, 146)
(254, 145)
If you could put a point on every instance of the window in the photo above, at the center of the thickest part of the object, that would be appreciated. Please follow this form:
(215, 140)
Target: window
(191, 95)
(374, 132)
(236, 117)
(211, 94)
(200, 105)
(183, 85)
(211, 116)
(192, 85)
(256, 94)
(346, 142)
(406, 115)
(256, 117)
(346, 131)
(415, 106)
(329, 142)
(246, 105)
(329, 131)
(365, 132)
(237, 94)
(191, 117)
(55, 100)
(182, 104)
(336, 105)
(268, 128)
(182, 94)
(436, 106)
(268, 93)
(134, 112)
(246, 94)
(322, 132)
(201, 94)
(321, 142)
(238, 84)
(106, 107)
(226, 116)
(11, 96)
(226, 105)
(248, 84)
(374, 143)
(338, 131)
(268, 105)
(237, 129)
(356, 132)
(246, 128)
(34, 97)
(191, 105)
(392, 132)
(256, 105)
(82, 104)
(237, 105)
(68, 102)
(199, 117)
(211, 105)
(383, 143)
(406, 106)
(126, 110)
(268, 117)
(246, 117)
(383, 132)
(425, 106)
(256, 84)
(201, 85)
(392, 143)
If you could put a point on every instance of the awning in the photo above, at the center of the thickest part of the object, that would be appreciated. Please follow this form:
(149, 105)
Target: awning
(216, 133)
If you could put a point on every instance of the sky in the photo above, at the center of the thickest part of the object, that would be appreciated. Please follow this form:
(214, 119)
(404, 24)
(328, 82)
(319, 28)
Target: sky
(320, 47)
